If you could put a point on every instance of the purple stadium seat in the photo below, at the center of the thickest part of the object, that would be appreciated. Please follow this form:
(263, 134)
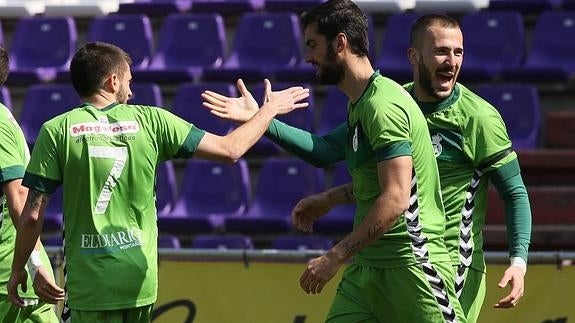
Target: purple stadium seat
(187, 43)
(53, 215)
(146, 94)
(165, 187)
(210, 192)
(334, 110)
(41, 46)
(519, 106)
(5, 97)
(188, 105)
(43, 102)
(301, 118)
(340, 219)
(291, 5)
(222, 242)
(302, 243)
(525, 7)
(493, 40)
(132, 33)
(569, 4)
(263, 43)
(305, 72)
(281, 184)
(392, 59)
(154, 7)
(52, 241)
(168, 241)
(227, 7)
(550, 58)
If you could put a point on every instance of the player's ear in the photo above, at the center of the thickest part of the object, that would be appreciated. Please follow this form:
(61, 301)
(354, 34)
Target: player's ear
(112, 83)
(413, 56)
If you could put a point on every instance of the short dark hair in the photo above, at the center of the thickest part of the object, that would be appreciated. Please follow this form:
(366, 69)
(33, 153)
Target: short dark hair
(421, 25)
(4, 65)
(93, 62)
(340, 16)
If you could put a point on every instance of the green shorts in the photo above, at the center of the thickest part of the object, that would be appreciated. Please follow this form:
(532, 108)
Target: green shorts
(417, 293)
(142, 314)
(39, 313)
(473, 293)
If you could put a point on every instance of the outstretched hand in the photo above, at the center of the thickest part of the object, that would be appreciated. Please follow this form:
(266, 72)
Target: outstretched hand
(239, 109)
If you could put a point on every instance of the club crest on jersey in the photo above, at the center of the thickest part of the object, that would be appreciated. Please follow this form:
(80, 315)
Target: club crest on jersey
(436, 142)
(355, 140)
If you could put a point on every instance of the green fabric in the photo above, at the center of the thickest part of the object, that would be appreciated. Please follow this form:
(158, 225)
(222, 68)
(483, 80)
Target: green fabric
(508, 182)
(106, 161)
(384, 117)
(394, 150)
(39, 313)
(320, 151)
(141, 314)
(473, 294)
(369, 294)
(470, 139)
(14, 156)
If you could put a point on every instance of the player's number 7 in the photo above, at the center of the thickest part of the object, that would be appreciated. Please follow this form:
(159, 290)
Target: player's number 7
(119, 155)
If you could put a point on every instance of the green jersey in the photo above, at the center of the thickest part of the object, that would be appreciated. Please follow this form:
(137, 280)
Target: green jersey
(470, 139)
(14, 156)
(106, 161)
(386, 123)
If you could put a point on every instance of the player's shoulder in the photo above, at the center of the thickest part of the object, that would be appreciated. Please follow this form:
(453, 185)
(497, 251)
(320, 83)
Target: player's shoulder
(474, 106)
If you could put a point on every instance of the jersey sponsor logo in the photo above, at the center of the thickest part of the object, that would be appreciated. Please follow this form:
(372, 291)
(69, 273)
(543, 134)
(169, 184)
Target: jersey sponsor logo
(100, 128)
(436, 142)
(111, 241)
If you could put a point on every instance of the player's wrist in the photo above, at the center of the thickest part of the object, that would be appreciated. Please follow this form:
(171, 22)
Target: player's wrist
(34, 263)
(519, 263)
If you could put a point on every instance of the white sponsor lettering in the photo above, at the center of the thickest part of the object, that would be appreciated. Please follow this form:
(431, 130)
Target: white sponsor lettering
(121, 239)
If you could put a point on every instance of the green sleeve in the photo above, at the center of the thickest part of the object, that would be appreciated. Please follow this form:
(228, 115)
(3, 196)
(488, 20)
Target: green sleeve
(175, 136)
(385, 125)
(485, 136)
(508, 182)
(12, 163)
(45, 161)
(320, 151)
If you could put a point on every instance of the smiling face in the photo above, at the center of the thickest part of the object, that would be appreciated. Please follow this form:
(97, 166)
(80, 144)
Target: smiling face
(320, 53)
(436, 62)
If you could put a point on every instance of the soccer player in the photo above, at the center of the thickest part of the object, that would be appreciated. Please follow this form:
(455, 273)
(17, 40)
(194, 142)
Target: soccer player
(472, 146)
(14, 156)
(401, 270)
(104, 153)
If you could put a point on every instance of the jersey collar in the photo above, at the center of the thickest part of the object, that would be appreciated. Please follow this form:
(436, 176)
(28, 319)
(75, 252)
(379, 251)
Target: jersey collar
(431, 107)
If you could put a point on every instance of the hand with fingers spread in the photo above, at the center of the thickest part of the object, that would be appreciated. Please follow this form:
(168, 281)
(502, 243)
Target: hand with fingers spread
(308, 210)
(46, 288)
(515, 277)
(319, 271)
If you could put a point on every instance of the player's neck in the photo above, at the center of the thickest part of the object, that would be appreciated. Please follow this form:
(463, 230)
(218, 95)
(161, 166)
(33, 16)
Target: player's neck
(100, 100)
(356, 78)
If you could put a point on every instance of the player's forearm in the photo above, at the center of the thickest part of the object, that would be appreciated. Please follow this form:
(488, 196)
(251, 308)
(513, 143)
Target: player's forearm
(342, 194)
(517, 208)
(381, 217)
(320, 151)
(29, 228)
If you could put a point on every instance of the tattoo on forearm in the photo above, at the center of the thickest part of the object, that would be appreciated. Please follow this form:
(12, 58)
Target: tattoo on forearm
(35, 199)
(351, 247)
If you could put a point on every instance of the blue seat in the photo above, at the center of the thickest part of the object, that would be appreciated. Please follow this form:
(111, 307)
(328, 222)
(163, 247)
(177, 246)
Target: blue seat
(165, 187)
(493, 40)
(302, 243)
(263, 43)
(41, 47)
(340, 219)
(210, 192)
(5, 97)
(43, 102)
(519, 106)
(177, 58)
(392, 58)
(281, 184)
(291, 5)
(333, 112)
(227, 7)
(154, 7)
(188, 105)
(146, 94)
(550, 58)
(169, 241)
(222, 242)
(525, 7)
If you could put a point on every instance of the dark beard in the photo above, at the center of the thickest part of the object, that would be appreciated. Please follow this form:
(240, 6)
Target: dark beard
(331, 73)
(425, 81)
